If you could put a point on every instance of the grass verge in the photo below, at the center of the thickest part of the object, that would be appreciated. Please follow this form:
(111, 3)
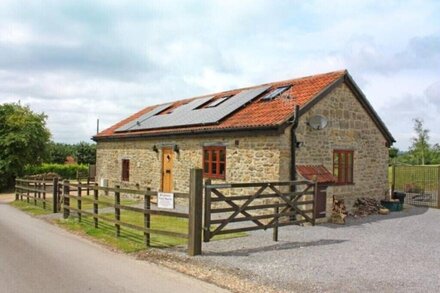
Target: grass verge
(130, 240)
(30, 208)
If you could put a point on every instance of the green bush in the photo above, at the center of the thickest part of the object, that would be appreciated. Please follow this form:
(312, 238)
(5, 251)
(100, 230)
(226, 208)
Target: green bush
(65, 171)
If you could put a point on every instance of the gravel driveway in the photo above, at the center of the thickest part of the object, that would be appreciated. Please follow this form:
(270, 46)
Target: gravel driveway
(395, 253)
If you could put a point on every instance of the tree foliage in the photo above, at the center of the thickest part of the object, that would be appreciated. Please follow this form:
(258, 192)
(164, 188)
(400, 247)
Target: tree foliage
(421, 152)
(84, 153)
(23, 140)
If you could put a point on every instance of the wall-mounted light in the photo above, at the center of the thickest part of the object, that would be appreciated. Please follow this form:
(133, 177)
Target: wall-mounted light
(155, 149)
(176, 149)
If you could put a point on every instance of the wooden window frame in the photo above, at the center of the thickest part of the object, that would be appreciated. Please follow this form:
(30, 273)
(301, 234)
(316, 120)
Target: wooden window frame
(125, 174)
(209, 173)
(346, 177)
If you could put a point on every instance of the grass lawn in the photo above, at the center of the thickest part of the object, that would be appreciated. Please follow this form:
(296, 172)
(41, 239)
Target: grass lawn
(86, 203)
(132, 240)
(31, 208)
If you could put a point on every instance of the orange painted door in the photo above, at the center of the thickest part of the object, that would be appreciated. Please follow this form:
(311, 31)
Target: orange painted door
(167, 170)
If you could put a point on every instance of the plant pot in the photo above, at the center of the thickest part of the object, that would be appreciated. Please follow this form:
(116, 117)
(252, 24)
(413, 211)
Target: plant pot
(393, 206)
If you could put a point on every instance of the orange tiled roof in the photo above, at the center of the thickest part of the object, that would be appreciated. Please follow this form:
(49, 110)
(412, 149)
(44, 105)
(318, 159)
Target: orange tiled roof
(318, 172)
(255, 114)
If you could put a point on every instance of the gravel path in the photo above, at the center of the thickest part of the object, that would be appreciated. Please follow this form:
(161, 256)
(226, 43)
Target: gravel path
(395, 253)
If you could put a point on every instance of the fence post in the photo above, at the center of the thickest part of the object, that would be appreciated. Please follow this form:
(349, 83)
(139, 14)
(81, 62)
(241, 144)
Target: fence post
(206, 223)
(95, 205)
(27, 192)
(55, 195)
(79, 202)
(195, 212)
(147, 217)
(66, 199)
(35, 192)
(275, 229)
(117, 211)
(438, 187)
(393, 179)
(44, 194)
(17, 195)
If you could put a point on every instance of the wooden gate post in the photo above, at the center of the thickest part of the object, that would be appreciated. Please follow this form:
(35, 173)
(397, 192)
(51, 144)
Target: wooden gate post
(55, 195)
(195, 212)
(206, 222)
(66, 199)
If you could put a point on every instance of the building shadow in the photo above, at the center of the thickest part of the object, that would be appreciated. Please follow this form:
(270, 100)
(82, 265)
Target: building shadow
(274, 247)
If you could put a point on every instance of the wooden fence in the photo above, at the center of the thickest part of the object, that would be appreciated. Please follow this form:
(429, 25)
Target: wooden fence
(295, 207)
(40, 192)
(270, 205)
(64, 194)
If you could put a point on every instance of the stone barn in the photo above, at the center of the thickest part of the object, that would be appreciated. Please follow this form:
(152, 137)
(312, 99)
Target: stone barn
(248, 134)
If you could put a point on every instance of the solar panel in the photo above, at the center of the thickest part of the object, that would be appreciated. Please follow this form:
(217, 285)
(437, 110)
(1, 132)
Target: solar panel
(276, 92)
(144, 117)
(190, 114)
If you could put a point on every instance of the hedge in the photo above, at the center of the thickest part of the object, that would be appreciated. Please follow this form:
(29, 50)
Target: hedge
(65, 171)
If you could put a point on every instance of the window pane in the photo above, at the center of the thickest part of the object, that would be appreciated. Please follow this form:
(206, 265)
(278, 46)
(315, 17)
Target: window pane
(222, 169)
(214, 156)
(206, 155)
(206, 167)
(214, 168)
(222, 155)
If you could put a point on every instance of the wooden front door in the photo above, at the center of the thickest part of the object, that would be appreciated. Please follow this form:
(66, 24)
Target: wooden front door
(167, 170)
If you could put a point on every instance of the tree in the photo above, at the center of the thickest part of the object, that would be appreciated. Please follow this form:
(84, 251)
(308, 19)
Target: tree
(420, 147)
(23, 140)
(57, 152)
(85, 153)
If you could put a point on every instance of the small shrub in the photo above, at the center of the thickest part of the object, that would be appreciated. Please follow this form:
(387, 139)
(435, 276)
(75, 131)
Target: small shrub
(65, 171)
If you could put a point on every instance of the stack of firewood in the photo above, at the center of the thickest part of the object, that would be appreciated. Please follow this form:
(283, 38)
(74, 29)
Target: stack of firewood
(365, 206)
(339, 211)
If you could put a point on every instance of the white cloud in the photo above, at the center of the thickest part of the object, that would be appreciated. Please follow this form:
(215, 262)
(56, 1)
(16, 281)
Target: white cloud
(79, 61)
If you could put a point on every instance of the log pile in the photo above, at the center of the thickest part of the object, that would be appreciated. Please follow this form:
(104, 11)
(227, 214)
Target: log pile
(339, 212)
(365, 206)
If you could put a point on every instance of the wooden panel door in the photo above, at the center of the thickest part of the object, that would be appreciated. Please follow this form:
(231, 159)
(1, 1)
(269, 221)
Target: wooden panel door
(167, 170)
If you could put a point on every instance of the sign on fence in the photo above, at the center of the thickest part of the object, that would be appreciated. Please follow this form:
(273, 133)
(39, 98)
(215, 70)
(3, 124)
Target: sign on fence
(165, 200)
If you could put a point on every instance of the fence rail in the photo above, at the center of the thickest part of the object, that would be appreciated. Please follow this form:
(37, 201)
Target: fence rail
(291, 205)
(71, 198)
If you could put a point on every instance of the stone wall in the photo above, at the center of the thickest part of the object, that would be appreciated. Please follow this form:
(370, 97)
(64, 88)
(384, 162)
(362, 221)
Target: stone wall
(255, 158)
(350, 128)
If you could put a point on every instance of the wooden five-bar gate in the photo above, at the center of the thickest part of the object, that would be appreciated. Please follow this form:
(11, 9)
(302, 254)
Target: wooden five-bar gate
(270, 205)
(266, 205)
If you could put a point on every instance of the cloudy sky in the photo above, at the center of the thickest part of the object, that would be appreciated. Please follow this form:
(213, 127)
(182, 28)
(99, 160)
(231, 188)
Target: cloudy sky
(82, 60)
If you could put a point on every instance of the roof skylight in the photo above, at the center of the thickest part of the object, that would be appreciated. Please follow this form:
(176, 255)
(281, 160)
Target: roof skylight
(218, 101)
(275, 93)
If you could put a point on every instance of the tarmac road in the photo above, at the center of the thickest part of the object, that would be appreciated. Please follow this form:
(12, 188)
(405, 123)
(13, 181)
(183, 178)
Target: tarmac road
(36, 256)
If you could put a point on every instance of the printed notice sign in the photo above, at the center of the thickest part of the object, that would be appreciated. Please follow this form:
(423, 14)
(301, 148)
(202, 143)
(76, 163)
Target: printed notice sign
(165, 200)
